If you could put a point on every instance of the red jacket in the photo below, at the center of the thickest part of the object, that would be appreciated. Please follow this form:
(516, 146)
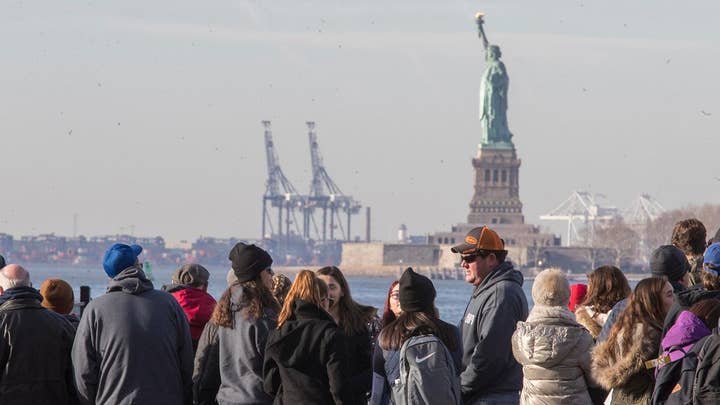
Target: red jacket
(198, 307)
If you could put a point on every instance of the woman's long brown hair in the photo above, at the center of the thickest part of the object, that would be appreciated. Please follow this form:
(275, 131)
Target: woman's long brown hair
(607, 285)
(307, 287)
(255, 297)
(410, 324)
(353, 316)
(644, 308)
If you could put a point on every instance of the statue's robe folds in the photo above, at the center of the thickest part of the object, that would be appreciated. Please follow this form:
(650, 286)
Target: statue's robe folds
(494, 104)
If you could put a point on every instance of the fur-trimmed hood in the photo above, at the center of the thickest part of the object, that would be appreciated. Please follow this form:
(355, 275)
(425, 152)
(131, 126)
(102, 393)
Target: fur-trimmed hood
(591, 320)
(612, 368)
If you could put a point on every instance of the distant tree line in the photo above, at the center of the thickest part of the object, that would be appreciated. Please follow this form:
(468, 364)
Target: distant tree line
(630, 243)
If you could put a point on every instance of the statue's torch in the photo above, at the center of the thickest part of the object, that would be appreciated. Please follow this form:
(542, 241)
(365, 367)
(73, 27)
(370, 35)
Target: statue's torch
(479, 19)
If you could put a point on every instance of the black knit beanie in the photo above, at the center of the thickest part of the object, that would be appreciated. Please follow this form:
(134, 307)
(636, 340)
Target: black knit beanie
(248, 261)
(417, 292)
(669, 261)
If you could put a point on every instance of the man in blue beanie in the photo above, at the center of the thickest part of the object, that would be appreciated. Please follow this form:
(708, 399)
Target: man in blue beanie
(133, 343)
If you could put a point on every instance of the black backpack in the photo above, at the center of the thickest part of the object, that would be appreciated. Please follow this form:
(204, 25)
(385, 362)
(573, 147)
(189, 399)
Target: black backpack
(674, 381)
(706, 384)
(694, 379)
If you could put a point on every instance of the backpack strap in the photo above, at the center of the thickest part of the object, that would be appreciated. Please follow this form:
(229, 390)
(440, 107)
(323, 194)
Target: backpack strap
(665, 359)
(707, 340)
(403, 365)
(392, 365)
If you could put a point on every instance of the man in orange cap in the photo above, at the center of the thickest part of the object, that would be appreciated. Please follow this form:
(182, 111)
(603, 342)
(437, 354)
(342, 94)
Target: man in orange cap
(490, 374)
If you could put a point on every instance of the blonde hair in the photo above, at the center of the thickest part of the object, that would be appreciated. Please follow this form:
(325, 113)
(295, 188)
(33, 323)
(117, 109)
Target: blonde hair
(307, 287)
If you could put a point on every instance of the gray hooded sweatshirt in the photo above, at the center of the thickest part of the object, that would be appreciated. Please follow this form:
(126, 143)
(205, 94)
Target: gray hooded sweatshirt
(133, 346)
(242, 352)
(497, 304)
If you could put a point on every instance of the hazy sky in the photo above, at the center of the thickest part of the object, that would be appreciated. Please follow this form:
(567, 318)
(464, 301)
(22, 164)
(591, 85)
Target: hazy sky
(148, 113)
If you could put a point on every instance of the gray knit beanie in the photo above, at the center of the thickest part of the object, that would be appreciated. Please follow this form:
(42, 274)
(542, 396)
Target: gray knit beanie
(551, 288)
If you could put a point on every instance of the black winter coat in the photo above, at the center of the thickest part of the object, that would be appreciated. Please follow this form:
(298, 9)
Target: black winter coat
(35, 343)
(305, 359)
(206, 373)
(359, 350)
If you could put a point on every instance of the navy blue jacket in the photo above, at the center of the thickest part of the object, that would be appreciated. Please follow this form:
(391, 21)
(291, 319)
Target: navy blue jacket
(496, 306)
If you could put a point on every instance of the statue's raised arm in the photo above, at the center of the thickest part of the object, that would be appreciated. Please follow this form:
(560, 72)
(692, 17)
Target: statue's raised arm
(481, 32)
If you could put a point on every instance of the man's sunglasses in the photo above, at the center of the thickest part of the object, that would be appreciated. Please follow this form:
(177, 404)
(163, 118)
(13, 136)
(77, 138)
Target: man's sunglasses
(472, 257)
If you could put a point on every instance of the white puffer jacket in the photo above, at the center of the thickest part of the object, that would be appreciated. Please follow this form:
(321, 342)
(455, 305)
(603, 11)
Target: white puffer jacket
(554, 351)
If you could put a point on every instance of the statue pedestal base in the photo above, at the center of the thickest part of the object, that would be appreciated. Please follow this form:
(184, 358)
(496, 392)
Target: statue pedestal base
(496, 203)
(496, 199)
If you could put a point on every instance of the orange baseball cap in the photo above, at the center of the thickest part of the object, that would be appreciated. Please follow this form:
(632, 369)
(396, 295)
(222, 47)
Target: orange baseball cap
(481, 238)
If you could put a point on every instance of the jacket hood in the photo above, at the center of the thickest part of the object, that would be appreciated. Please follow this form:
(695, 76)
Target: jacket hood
(236, 298)
(171, 288)
(198, 307)
(195, 302)
(687, 330)
(503, 272)
(302, 312)
(131, 281)
(237, 304)
(687, 298)
(592, 321)
(20, 293)
(548, 336)
(677, 287)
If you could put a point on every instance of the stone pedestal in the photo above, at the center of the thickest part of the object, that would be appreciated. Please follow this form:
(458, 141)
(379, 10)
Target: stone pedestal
(496, 199)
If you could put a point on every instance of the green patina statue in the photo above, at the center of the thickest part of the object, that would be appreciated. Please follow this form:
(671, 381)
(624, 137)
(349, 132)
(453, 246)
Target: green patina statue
(493, 95)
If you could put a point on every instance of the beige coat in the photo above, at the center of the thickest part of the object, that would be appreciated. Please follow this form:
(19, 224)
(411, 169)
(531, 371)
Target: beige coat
(554, 351)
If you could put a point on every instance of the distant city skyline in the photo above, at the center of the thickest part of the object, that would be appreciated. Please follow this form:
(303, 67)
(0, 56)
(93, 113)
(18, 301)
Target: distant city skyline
(148, 114)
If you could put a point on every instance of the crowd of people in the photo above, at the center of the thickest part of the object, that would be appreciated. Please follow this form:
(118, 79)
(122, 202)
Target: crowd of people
(272, 340)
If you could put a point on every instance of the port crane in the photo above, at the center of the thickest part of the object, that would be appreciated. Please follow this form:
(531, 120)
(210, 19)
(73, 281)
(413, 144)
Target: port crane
(326, 196)
(279, 193)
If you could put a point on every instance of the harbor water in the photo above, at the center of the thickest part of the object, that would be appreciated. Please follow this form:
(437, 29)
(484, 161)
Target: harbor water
(452, 295)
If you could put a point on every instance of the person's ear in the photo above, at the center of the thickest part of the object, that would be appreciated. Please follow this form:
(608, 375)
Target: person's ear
(1, 290)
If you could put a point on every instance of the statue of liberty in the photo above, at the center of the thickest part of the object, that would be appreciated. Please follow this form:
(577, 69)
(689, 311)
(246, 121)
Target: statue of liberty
(493, 95)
